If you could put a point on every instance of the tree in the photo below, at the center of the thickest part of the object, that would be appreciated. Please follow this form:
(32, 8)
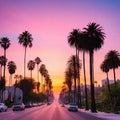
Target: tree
(3, 61)
(73, 40)
(37, 61)
(105, 68)
(94, 41)
(42, 71)
(26, 40)
(2, 87)
(27, 86)
(82, 47)
(68, 81)
(113, 61)
(5, 43)
(72, 65)
(11, 68)
(31, 66)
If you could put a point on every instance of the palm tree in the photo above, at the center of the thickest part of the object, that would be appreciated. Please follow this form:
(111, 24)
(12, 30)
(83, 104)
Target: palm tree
(26, 40)
(105, 68)
(3, 61)
(42, 71)
(31, 66)
(37, 61)
(68, 81)
(113, 61)
(11, 68)
(5, 43)
(95, 40)
(82, 47)
(72, 66)
(73, 40)
(2, 87)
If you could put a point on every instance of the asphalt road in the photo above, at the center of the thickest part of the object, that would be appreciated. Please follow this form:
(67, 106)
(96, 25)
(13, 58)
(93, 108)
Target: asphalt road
(46, 112)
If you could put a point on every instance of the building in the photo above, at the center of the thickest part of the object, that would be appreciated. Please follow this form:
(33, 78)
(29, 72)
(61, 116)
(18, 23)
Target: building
(11, 93)
(104, 82)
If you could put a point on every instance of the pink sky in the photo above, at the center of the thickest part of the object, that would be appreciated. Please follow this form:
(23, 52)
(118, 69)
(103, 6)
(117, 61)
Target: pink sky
(50, 22)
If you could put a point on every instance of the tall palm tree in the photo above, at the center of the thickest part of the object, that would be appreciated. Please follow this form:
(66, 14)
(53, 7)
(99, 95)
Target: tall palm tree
(3, 61)
(113, 61)
(31, 66)
(72, 65)
(105, 68)
(81, 47)
(26, 40)
(37, 61)
(68, 81)
(95, 40)
(11, 68)
(73, 40)
(5, 43)
(2, 87)
(42, 71)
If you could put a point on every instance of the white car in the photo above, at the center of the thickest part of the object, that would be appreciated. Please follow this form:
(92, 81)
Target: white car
(3, 107)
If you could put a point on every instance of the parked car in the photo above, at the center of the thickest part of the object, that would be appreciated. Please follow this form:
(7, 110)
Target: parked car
(28, 105)
(72, 107)
(18, 106)
(3, 107)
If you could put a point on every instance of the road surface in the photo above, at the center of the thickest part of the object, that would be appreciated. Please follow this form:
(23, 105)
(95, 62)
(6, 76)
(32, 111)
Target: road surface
(46, 112)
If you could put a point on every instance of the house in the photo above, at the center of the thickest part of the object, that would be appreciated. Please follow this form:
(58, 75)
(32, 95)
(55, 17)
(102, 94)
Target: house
(11, 93)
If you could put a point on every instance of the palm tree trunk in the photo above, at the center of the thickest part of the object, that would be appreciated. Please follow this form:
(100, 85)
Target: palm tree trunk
(79, 88)
(114, 75)
(86, 96)
(74, 81)
(109, 89)
(31, 74)
(37, 73)
(0, 71)
(25, 63)
(4, 62)
(93, 105)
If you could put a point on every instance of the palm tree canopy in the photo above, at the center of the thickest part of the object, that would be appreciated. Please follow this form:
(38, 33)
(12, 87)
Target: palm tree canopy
(11, 67)
(5, 42)
(94, 36)
(31, 65)
(104, 66)
(3, 60)
(42, 69)
(25, 39)
(37, 60)
(68, 78)
(113, 59)
(73, 38)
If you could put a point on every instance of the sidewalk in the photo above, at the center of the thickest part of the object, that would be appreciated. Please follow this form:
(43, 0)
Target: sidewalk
(107, 116)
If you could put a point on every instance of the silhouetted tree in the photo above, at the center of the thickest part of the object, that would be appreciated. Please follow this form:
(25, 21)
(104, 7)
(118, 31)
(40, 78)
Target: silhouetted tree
(94, 41)
(11, 68)
(5, 43)
(26, 40)
(37, 61)
(113, 61)
(31, 66)
(3, 61)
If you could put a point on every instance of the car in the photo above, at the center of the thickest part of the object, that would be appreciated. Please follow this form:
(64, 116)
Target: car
(3, 107)
(18, 106)
(72, 107)
(28, 105)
